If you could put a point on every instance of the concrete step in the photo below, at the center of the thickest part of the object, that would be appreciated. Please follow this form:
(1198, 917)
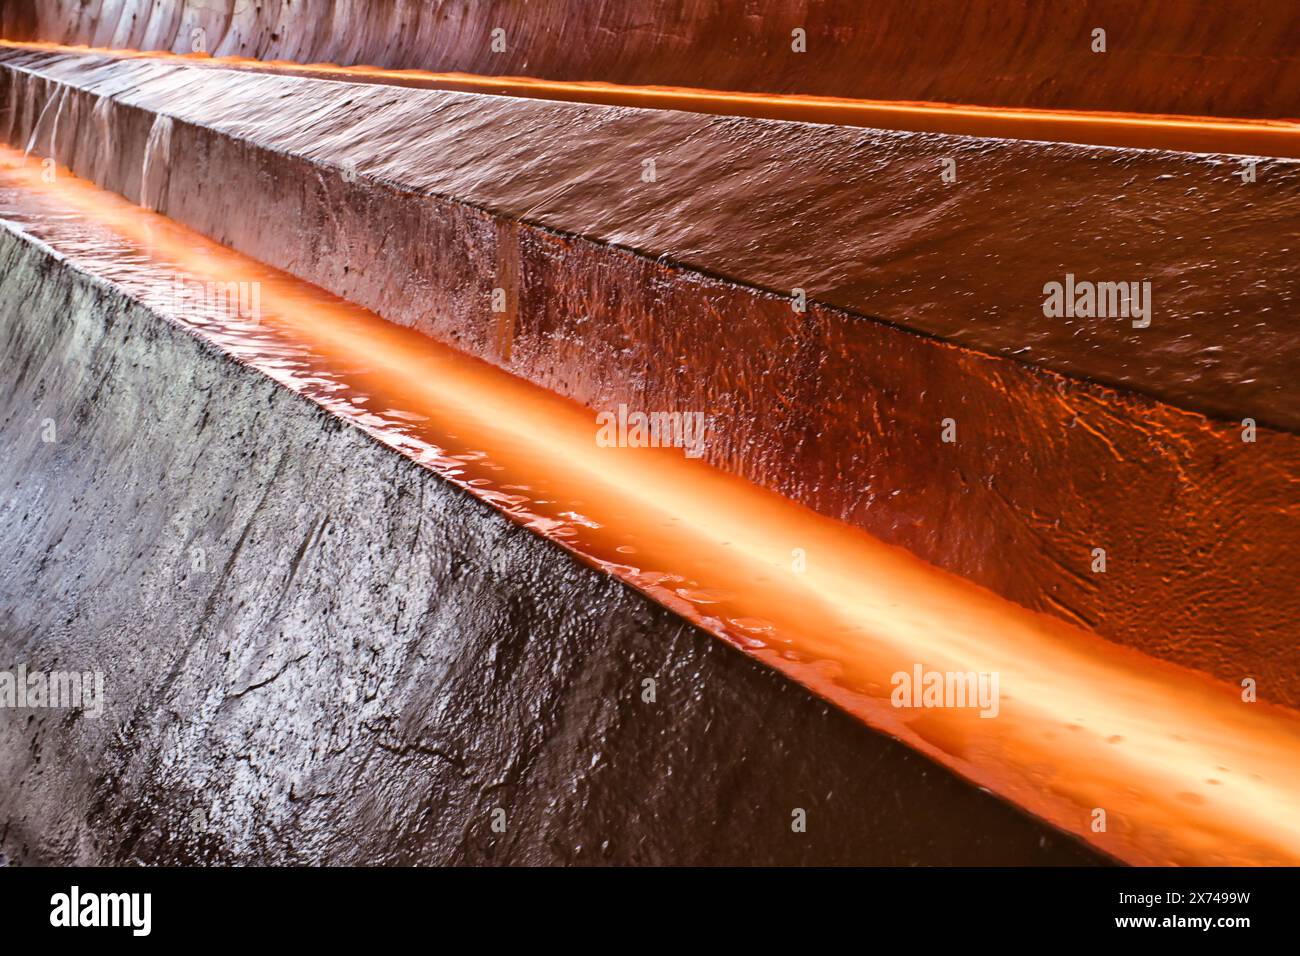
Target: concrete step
(317, 651)
(925, 307)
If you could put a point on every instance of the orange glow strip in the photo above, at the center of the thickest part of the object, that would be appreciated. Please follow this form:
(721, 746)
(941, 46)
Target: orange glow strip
(1200, 134)
(1185, 771)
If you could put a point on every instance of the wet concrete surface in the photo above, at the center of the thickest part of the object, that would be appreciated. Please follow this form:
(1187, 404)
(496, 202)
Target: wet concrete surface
(1200, 528)
(860, 220)
(1200, 57)
(1251, 137)
(360, 663)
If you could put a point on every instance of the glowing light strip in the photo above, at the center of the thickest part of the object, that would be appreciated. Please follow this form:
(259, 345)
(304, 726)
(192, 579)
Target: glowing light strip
(1280, 138)
(1185, 770)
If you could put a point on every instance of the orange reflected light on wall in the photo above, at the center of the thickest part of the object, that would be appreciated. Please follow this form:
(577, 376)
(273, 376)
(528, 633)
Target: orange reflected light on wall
(1184, 771)
(1200, 134)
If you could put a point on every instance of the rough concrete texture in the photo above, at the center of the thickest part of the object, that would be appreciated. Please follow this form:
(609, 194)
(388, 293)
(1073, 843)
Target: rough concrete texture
(859, 219)
(1162, 56)
(1201, 529)
(367, 662)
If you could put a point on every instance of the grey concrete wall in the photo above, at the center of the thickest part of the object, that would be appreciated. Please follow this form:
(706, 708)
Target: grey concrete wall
(451, 195)
(368, 661)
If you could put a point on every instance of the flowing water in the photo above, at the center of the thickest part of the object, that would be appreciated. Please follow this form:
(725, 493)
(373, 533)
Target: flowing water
(1186, 771)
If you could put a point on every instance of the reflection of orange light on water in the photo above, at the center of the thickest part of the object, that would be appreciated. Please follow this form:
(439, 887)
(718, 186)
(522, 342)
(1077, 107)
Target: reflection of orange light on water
(1184, 770)
(1138, 130)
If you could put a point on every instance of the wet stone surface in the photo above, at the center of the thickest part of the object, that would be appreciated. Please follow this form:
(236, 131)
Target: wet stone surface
(466, 195)
(316, 651)
(1164, 56)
